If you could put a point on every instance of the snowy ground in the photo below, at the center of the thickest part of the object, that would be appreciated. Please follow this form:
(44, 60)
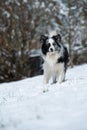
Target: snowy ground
(23, 105)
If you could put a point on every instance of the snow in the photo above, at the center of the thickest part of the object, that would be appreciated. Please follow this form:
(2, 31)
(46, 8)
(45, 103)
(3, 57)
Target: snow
(6, 14)
(63, 9)
(24, 106)
(25, 1)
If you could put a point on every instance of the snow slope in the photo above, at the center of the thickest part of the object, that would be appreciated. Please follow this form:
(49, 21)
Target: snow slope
(23, 105)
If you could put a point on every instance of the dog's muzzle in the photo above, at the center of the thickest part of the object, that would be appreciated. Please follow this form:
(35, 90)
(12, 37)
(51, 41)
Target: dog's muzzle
(51, 49)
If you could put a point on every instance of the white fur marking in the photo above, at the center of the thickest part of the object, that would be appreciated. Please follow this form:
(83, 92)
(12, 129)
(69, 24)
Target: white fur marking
(50, 40)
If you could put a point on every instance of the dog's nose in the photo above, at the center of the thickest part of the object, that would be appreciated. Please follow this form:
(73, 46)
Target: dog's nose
(51, 49)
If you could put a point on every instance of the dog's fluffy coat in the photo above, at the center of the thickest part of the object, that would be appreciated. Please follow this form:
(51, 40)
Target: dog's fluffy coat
(55, 57)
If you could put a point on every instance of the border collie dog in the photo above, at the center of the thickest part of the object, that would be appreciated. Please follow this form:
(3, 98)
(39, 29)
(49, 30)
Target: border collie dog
(55, 56)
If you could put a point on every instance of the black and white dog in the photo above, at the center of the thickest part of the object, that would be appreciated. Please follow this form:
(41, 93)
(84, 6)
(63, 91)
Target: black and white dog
(55, 57)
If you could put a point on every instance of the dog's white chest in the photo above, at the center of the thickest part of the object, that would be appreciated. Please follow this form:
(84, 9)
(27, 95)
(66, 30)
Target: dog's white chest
(51, 58)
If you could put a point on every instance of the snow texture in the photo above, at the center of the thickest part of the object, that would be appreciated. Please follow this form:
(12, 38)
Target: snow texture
(24, 106)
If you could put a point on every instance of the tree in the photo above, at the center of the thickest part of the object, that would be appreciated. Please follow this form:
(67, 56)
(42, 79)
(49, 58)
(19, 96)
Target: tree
(73, 24)
(21, 24)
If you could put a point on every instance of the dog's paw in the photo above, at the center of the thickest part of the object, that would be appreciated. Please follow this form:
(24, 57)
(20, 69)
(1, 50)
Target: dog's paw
(45, 88)
(61, 81)
(45, 82)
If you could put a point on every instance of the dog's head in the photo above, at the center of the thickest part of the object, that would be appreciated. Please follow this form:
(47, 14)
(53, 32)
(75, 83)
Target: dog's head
(50, 44)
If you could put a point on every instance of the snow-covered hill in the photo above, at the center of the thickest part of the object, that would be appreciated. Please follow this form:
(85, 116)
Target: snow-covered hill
(23, 105)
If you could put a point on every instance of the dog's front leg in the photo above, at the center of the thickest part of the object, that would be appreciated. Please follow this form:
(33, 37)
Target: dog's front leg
(45, 81)
(46, 78)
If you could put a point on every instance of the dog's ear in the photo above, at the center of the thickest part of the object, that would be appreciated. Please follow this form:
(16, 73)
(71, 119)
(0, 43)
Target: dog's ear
(57, 37)
(43, 38)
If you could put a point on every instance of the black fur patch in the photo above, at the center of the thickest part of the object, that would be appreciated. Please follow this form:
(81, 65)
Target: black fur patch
(45, 48)
(66, 55)
(44, 45)
(64, 59)
(60, 60)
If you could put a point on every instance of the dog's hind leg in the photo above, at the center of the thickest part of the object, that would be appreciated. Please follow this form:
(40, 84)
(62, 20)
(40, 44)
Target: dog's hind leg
(61, 74)
(54, 79)
(61, 77)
